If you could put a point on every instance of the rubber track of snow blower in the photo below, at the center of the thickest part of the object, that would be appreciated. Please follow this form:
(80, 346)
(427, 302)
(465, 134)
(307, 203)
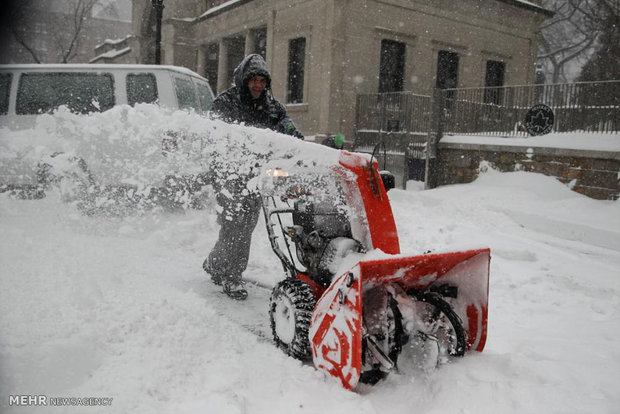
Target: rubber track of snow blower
(303, 300)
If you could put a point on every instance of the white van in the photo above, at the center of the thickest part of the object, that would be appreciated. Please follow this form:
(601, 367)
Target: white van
(27, 91)
(31, 91)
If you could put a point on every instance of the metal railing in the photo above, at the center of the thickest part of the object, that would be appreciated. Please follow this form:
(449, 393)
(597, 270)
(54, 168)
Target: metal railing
(399, 120)
(584, 107)
(393, 112)
(499, 111)
(410, 125)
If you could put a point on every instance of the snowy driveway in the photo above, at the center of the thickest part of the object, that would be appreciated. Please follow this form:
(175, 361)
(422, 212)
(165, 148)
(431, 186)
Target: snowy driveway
(120, 308)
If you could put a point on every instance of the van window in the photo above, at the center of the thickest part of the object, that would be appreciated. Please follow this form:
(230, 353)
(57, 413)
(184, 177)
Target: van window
(5, 89)
(205, 96)
(141, 88)
(80, 92)
(185, 94)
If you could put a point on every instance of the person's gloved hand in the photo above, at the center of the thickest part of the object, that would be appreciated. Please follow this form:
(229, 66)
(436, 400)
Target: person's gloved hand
(286, 126)
(336, 141)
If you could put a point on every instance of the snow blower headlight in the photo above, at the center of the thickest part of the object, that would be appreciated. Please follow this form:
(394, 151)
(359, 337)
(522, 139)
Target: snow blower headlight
(276, 172)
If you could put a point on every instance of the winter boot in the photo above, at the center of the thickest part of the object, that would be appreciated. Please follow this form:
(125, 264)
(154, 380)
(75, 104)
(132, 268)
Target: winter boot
(235, 290)
(217, 280)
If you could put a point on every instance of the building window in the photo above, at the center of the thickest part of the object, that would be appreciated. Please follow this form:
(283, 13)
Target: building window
(392, 66)
(447, 69)
(261, 42)
(235, 48)
(213, 55)
(494, 77)
(296, 62)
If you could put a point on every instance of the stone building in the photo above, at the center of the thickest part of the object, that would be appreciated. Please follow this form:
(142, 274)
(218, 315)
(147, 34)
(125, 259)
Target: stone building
(323, 53)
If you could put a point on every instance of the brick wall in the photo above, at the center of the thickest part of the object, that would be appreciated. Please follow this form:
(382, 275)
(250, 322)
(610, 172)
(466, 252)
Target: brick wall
(593, 173)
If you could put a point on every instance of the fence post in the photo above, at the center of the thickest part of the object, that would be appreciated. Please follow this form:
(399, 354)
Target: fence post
(435, 132)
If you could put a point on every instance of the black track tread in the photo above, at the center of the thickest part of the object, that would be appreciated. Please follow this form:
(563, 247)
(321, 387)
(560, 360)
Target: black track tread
(303, 300)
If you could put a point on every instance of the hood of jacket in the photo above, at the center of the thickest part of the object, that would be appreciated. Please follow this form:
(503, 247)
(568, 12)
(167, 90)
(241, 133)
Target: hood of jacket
(250, 66)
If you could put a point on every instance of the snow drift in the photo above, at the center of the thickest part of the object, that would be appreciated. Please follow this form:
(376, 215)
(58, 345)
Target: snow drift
(119, 307)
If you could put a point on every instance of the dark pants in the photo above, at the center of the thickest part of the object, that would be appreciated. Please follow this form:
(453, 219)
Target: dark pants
(229, 257)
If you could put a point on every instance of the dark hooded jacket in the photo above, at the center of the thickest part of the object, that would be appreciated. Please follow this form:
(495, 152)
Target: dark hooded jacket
(236, 104)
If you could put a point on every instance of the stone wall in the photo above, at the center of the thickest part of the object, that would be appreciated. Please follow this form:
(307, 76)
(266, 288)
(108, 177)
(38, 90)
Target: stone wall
(595, 174)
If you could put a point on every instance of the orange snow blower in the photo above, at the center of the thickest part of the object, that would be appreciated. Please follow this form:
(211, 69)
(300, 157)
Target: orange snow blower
(351, 301)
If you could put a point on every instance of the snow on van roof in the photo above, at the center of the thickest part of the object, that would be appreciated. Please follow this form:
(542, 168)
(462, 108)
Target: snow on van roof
(68, 67)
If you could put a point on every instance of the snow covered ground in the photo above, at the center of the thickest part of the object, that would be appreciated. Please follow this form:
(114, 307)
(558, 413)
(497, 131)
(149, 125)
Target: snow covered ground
(596, 141)
(119, 307)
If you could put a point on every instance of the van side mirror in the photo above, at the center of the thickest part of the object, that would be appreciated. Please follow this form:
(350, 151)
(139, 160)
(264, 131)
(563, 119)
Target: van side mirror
(388, 179)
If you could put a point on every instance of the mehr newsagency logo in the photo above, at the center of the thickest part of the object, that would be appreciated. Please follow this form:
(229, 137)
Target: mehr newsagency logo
(44, 400)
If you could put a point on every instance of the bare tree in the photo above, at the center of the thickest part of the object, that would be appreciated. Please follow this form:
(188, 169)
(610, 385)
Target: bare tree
(568, 38)
(18, 26)
(68, 41)
(65, 26)
(604, 64)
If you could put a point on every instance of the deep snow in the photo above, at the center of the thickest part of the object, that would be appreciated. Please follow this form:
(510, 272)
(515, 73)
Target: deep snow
(118, 306)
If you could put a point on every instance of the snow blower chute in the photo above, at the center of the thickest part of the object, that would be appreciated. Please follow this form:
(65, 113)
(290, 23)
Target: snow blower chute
(351, 301)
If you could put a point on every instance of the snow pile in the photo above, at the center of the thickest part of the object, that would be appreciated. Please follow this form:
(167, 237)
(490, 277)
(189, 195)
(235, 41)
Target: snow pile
(119, 307)
(132, 153)
(139, 145)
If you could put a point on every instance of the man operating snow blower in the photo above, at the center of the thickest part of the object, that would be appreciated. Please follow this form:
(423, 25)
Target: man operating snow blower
(250, 102)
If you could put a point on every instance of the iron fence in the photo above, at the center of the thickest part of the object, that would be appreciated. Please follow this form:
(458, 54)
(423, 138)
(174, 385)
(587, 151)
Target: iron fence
(583, 106)
(400, 121)
(408, 127)
(393, 112)
(499, 111)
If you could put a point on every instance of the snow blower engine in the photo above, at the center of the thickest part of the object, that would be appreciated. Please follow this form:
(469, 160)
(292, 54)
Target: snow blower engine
(351, 301)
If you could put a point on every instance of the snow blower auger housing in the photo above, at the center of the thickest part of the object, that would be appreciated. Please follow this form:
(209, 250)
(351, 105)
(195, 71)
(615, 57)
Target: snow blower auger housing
(351, 301)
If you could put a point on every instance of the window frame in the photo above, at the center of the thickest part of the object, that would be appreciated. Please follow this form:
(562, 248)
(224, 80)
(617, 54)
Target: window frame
(295, 85)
